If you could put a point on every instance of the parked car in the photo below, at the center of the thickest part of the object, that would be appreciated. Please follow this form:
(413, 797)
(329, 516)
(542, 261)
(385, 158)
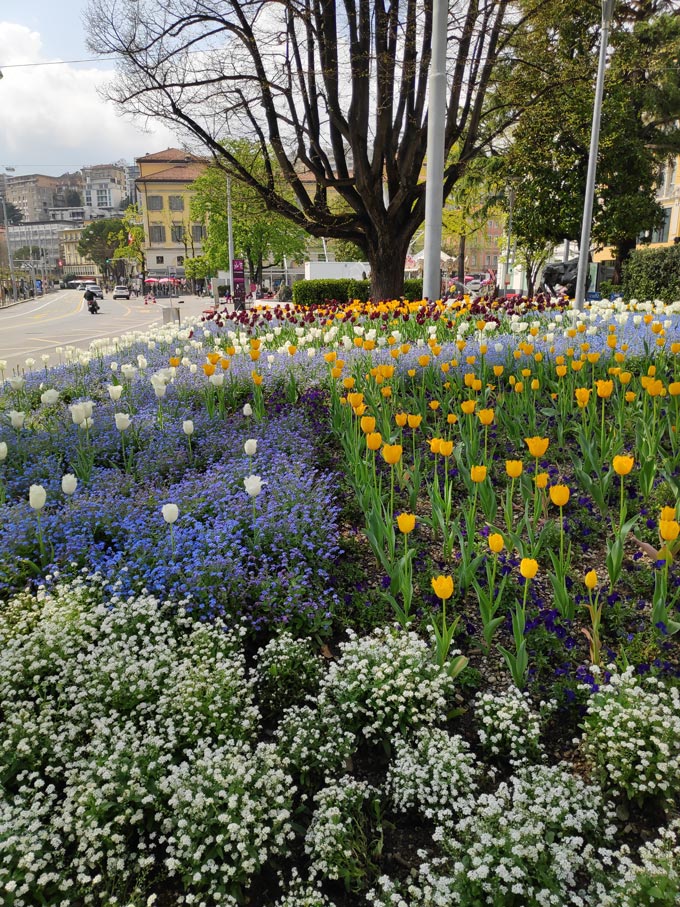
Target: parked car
(121, 292)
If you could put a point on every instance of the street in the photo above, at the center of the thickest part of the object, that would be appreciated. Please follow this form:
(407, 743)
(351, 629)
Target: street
(35, 328)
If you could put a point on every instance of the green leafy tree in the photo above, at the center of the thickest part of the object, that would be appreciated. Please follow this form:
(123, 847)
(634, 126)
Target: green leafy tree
(130, 239)
(99, 241)
(197, 268)
(259, 235)
(28, 253)
(548, 157)
(14, 215)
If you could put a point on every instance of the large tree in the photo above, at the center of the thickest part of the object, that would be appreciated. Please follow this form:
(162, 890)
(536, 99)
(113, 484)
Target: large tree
(258, 235)
(14, 214)
(547, 159)
(130, 240)
(99, 241)
(335, 93)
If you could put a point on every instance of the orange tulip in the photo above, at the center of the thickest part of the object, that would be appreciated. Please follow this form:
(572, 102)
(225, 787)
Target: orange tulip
(537, 446)
(582, 396)
(392, 453)
(542, 480)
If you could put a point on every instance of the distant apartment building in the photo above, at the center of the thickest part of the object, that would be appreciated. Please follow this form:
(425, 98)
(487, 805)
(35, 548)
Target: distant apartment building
(164, 187)
(72, 261)
(104, 187)
(32, 194)
(45, 236)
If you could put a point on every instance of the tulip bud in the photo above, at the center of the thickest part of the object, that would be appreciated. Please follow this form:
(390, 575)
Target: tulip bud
(247, 410)
(250, 447)
(69, 483)
(253, 485)
(170, 513)
(37, 497)
(188, 427)
(122, 421)
(3, 450)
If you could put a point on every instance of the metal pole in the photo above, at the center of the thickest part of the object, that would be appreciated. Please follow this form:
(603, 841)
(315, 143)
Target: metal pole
(584, 245)
(506, 271)
(436, 126)
(9, 252)
(230, 235)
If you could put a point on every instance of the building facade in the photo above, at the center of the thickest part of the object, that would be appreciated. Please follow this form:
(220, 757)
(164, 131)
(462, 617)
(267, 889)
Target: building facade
(72, 261)
(164, 189)
(42, 235)
(32, 194)
(104, 187)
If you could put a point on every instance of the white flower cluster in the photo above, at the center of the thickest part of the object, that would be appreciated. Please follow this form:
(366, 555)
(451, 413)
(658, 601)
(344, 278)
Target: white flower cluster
(301, 894)
(433, 774)
(653, 879)
(316, 745)
(526, 844)
(287, 671)
(121, 721)
(345, 832)
(632, 736)
(508, 726)
(386, 684)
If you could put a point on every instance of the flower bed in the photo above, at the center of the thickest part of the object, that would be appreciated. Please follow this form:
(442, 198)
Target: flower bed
(336, 606)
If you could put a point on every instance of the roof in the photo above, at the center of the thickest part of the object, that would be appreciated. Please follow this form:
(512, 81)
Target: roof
(170, 156)
(180, 173)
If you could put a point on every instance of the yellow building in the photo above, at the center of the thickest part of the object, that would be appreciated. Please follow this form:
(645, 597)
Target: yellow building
(164, 190)
(72, 261)
(668, 196)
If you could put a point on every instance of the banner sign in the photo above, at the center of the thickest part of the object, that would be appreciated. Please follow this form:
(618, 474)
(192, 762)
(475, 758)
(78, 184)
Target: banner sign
(239, 288)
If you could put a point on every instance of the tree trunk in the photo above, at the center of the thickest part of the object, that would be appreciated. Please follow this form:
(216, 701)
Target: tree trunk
(460, 265)
(387, 260)
(623, 250)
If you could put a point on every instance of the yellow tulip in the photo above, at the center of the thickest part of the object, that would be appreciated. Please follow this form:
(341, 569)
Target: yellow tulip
(434, 405)
(392, 453)
(452, 418)
(559, 495)
(669, 530)
(367, 424)
(537, 446)
(445, 448)
(212, 358)
(406, 522)
(468, 406)
(209, 369)
(582, 395)
(443, 586)
(496, 542)
(591, 580)
(668, 513)
(330, 357)
(348, 383)
(257, 379)
(485, 416)
(478, 473)
(400, 419)
(434, 445)
(373, 440)
(175, 361)
(414, 420)
(528, 567)
(514, 468)
(623, 464)
(542, 480)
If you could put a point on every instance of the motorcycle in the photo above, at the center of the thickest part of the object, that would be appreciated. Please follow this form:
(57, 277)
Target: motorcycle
(92, 306)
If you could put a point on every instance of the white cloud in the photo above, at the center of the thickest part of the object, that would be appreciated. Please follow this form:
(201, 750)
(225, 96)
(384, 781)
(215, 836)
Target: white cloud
(53, 114)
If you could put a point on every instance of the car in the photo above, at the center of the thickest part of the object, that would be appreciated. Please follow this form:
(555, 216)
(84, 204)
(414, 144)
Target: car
(93, 288)
(121, 292)
(84, 284)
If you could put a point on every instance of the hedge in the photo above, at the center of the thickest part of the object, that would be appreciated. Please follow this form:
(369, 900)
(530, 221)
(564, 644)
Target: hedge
(316, 292)
(653, 274)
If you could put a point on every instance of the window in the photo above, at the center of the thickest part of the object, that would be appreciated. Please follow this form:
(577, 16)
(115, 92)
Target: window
(155, 203)
(176, 202)
(180, 260)
(157, 234)
(159, 259)
(661, 233)
(196, 232)
(177, 233)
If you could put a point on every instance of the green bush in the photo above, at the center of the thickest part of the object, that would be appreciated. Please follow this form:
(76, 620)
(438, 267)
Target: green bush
(316, 292)
(653, 274)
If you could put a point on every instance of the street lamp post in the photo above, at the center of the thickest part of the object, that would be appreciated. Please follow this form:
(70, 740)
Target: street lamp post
(584, 245)
(506, 269)
(230, 241)
(9, 251)
(436, 124)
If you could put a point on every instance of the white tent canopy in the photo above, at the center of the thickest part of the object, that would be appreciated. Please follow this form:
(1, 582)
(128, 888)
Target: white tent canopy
(419, 256)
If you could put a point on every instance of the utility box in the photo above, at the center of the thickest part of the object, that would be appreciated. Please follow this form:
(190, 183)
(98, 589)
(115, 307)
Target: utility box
(170, 314)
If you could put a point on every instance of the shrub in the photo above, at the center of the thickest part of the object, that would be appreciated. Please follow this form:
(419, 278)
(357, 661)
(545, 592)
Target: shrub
(433, 775)
(386, 684)
(287, 670)
(345, 834)
(632, 736)
(653, 274)
(528, 844)
(317, 292)
(507, 725)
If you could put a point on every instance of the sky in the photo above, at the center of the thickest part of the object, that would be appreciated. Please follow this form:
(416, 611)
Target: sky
(51, 118)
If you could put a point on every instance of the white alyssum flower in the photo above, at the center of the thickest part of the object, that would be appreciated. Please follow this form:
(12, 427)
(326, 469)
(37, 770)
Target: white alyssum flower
(508, 726)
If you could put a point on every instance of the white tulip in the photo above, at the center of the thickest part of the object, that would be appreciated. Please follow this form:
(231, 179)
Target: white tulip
(30, 363)
(193, 368)
(247, 410)
(3, 450)
(142, 362)
(3, 365)
(69, 483)
(16, 417)
(216, 380)
(37, 497)
(115, 390)
(170, 513)
(87, 406)
(114, 366)
(159, 389)
(45, 358)
(253, 485)
(250, 447)
(123, 421)
(17, 382)
(77, 413)
(188, 427)
(86, 424)
(50, 396)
